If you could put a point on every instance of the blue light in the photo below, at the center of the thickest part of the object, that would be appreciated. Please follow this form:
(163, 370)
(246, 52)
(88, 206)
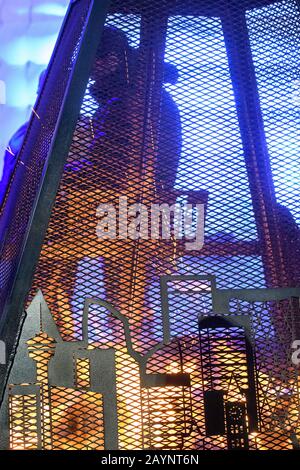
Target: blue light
(48, 8)
(29, 48)
(212, 147)
(52, 9)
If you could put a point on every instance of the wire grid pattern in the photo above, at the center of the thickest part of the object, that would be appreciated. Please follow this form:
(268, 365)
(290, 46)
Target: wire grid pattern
(113, 155)
(55, 418)
(23, 422)
(274, 33)
(130, 143)
(276, 53)
(274, 328)
(28, 173)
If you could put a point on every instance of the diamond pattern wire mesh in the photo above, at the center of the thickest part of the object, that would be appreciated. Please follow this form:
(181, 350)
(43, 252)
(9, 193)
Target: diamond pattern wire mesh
(159, 123)
(167, 409)
(274, 36)
(41, 349)
(77, 420)
(23, 423)
(130, 433)
(163, 418)
(277, 378)
(31, 159)
(104, 164)
(212, 153)
(82, 369)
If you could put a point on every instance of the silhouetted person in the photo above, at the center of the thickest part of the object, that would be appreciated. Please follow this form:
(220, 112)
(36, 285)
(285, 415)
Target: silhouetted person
(102, 155)
(170, 134)
(114, 77)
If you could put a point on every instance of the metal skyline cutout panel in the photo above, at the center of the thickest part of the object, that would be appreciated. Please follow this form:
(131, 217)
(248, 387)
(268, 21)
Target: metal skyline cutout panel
(78, 395)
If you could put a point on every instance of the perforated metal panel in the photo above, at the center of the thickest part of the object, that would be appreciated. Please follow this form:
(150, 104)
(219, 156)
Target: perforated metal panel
(26, 180)
(274, 37)
(177, 111)
(38, 161)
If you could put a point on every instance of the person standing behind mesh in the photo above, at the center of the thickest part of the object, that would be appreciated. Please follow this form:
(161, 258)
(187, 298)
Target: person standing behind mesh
(114, 75)
(97, 172)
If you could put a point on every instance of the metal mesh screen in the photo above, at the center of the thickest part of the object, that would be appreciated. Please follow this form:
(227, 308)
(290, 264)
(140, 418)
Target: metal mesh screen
(23, 423)
(26, 180)
(274, 37)
(77, 420)
(171, 121)
(277, 378)
(187, 150)
(212, 153)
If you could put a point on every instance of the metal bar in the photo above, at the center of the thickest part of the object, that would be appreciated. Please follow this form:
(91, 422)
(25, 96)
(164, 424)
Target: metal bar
(164, 295)
(165, 309)
(222, 297)
(251, 394)
(61, 143)
(254, 141)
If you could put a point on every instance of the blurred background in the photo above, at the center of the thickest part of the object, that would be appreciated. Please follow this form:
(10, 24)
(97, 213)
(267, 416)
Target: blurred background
(28, 31)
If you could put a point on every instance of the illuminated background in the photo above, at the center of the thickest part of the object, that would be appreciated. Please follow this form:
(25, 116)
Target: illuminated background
(28, 31)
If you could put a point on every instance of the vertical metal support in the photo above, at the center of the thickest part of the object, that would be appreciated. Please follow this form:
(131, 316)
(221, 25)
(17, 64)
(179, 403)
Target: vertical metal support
(254, 141)
(165, 308)
(251, 396)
